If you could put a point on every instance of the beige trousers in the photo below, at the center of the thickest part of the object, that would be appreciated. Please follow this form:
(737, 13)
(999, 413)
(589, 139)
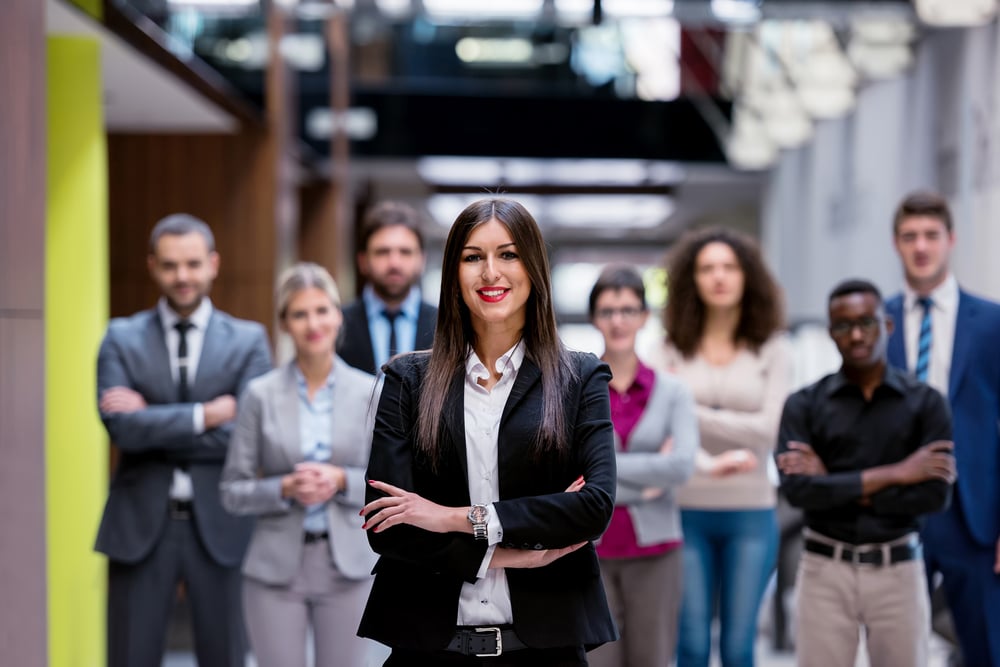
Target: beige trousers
(837, 599)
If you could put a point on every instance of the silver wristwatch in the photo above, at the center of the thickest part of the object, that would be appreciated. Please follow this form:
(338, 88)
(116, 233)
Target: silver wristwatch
(478, 516)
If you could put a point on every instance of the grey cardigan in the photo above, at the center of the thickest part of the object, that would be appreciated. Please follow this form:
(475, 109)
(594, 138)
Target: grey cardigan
(670, 412)
(266, 445)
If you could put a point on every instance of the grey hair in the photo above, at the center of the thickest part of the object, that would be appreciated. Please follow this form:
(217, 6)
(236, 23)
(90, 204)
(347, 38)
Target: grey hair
(179, 224)
(300, 276)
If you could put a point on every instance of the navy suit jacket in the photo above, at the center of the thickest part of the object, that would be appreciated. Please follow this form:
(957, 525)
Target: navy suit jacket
(419, 575)
(355, 343)
(974, 395)
(157, 439)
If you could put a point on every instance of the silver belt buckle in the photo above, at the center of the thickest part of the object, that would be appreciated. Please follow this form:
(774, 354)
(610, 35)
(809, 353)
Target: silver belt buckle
(496, 632)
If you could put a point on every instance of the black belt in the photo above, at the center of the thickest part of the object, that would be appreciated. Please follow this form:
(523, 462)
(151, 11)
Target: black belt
(871, 556)
(315, 537)
(484, 642)
(180, 509)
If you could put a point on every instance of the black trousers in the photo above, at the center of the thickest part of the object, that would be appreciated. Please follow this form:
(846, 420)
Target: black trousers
(141, 596)
(572, 656)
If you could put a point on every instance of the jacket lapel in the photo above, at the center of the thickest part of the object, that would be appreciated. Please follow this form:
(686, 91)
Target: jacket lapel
(159, 358)
(213, 350)
(286, 411)
(526, 378)
(897, 341)
(964, 321)
(454, 417)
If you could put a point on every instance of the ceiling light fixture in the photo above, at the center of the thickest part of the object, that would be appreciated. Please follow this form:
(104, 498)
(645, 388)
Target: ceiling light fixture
(956, 13)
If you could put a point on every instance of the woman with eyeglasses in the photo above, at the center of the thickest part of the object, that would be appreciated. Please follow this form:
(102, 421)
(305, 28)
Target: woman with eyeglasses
(296, 462)
(724, 340)
(656, 437)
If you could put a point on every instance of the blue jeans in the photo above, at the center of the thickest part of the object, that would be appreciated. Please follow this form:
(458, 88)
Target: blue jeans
(728, 559)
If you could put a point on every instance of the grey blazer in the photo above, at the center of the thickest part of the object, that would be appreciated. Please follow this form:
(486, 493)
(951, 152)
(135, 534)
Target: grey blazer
(670, 412)
(266, 445)
(161, 437)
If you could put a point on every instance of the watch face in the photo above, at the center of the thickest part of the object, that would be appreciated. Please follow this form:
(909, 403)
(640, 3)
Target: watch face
(477, 514)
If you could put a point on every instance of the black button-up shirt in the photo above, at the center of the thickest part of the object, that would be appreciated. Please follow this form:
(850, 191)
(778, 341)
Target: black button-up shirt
(851, 434)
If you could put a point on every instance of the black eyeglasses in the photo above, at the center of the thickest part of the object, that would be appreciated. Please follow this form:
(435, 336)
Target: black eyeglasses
(627, 313)
(845, 327)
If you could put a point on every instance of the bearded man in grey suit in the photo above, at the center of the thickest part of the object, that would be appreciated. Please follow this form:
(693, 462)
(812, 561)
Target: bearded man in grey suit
(167, 381)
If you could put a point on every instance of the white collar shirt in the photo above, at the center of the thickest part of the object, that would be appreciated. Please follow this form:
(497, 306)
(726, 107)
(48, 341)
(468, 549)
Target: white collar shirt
(181, 487)
(487, 601)
(944, 314)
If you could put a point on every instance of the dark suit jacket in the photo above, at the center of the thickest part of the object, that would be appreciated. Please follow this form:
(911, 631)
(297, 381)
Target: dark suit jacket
(155, 440)
(974, 395)
(355, 343)
(419, 575)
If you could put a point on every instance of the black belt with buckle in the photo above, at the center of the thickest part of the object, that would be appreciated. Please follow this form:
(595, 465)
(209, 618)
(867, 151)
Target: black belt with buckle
(484, 642)
(887, 555)
(180, 509)
(315, 537)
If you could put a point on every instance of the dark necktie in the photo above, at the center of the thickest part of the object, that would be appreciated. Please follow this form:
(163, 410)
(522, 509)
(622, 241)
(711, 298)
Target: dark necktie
(391, 316)
(924, 340)
(183, 326)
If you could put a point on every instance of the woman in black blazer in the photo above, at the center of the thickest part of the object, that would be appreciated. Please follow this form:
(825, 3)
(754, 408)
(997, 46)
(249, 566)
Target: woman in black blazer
(492, 469)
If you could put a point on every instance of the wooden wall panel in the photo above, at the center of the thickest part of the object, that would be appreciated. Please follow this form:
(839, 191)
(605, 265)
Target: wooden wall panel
(226, 180)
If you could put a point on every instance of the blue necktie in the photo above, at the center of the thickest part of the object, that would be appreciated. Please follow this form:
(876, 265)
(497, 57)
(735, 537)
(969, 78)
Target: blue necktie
(924, 340)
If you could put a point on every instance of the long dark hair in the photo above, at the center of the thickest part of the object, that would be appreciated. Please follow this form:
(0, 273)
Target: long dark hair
(761, 310)
(454, 333)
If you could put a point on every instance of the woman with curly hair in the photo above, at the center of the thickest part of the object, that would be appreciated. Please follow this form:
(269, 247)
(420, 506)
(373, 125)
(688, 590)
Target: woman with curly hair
(724, 325)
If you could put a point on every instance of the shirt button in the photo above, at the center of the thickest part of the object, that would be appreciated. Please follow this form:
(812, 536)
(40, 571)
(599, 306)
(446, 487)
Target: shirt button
(484, 601)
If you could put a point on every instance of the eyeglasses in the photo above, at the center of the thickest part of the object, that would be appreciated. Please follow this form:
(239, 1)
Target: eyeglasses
(845, 327)
(627, 313)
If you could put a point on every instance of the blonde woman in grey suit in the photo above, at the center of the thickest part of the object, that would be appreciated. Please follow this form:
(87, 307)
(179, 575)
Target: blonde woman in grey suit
(296, 461)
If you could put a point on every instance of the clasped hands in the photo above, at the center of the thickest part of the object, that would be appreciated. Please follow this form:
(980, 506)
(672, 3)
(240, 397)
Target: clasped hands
(312, 483)
(401, 507)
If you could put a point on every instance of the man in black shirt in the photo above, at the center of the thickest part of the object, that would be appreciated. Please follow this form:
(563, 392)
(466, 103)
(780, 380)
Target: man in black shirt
(865, 452)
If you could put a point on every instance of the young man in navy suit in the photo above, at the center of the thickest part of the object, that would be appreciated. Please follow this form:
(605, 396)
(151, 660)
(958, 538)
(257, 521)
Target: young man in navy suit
(167, 383)
(947, 338)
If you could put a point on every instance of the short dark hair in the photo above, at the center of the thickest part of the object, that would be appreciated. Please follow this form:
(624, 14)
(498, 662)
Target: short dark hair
(179, 224)
(923, 202)
(617, 277)
(389, 214)
(854, 286)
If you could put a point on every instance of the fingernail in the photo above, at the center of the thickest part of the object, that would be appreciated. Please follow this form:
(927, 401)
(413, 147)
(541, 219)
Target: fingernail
(364, 526)
(371, 481)
(579, 478)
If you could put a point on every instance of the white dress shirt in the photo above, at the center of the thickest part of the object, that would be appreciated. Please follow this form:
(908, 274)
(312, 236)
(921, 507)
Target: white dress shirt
(487, 601)
(944, 314)
(181, 487)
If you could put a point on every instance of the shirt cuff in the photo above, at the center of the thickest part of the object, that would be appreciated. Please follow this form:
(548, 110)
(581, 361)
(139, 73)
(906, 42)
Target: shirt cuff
(484, 567)
(199, 418)
(494, 531)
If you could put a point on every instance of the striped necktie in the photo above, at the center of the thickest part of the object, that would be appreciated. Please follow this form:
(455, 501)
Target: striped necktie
(924, 340)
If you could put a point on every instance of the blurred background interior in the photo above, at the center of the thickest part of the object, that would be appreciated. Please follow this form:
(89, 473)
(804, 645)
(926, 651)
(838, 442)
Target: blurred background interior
(618, 123)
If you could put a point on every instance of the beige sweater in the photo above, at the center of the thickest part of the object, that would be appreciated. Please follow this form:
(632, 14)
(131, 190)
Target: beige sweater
(738, 405)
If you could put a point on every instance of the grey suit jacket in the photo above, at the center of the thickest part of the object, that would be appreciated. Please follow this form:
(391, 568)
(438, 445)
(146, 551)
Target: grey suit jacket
(669, 413)
(161, 437)
(266, 445)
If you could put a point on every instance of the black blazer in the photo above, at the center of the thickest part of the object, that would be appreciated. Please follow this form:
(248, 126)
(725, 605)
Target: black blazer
(157, 439)
(419, 575)
(355, 343)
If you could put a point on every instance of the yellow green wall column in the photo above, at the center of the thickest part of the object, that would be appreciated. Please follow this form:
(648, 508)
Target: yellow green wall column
(76, 314)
